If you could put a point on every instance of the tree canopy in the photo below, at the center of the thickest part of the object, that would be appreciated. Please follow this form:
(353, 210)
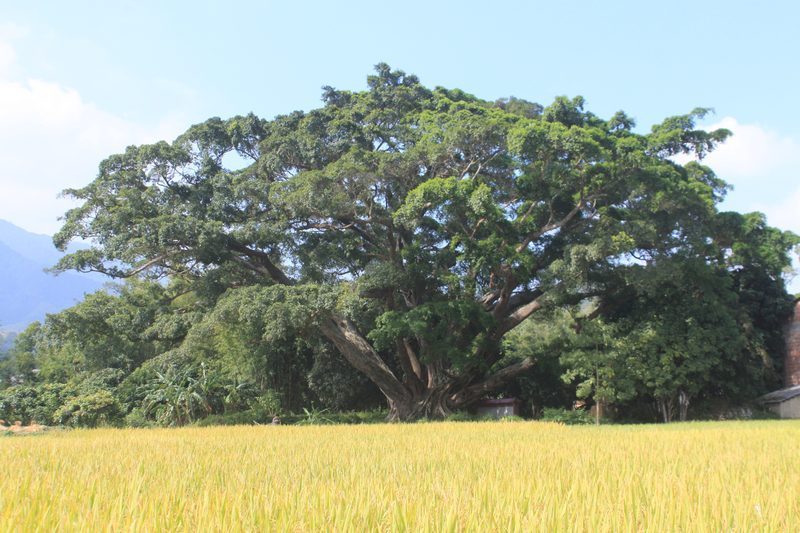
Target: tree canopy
(411, 228)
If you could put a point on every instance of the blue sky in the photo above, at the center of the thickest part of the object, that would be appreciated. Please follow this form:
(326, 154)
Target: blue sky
(80, 80)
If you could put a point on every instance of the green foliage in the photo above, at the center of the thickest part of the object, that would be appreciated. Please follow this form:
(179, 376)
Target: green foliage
(599, 361)
(268, 403)
(764, 414)
(86, 400)
(257, 335)
(466, 416)
(178, 395)
(337, 385)
(567, 416)
(682, 331)
(677, 135)
(438, 324)
(512, 418)
(117, 330)
(375, 416)
(137, 419)
(30, 404)
(314, 416)
(89, 410)
(544, 338)
(20, 364)
(520, 107)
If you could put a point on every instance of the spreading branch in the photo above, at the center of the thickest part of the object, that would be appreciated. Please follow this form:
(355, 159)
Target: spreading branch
(469, 394)
(362, 356)
(551, 225)
(519, 315)
(264, 264)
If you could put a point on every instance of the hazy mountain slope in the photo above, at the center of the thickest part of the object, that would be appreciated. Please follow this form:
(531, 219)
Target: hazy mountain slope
(32, 246)
(27, 292)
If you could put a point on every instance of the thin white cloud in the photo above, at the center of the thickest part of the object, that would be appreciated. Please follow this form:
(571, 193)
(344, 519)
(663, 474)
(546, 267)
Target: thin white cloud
(784, 212)
(52, 139)
(753, 152)
(764, 168)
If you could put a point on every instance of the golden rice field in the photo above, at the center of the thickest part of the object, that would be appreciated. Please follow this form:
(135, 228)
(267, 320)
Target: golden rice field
(515, 476)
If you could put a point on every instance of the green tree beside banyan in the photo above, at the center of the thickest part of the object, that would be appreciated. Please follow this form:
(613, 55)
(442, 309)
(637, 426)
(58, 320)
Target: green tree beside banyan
(412, 228)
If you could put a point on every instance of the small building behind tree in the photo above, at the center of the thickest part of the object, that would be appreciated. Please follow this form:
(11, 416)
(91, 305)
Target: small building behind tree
(499, 408)
(785, 402)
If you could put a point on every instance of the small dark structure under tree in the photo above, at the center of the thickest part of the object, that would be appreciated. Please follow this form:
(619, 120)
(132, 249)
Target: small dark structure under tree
(499, 408)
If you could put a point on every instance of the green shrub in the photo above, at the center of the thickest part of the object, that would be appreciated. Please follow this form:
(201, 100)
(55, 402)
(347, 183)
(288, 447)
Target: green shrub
(268, 403)
(466, 416)
(764, 414)
(376, 416)
(89, 410)
(566, 416)
(461, 416)
(29, 403)
(314, 416)
(179, 395)
(137, 419)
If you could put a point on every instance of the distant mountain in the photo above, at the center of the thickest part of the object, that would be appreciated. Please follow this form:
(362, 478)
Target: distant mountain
(27, 292)
(37, 248)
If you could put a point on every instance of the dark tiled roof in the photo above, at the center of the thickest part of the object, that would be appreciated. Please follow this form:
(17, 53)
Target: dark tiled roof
(781, 395)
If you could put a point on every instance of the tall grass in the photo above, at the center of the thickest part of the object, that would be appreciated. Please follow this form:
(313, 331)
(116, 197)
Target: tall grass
(519, 476)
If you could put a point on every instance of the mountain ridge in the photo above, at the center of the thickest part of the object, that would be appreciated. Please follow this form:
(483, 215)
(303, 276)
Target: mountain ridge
(27, 292)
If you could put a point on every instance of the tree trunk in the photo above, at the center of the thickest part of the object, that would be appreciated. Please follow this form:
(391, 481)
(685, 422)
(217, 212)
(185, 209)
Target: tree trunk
(666, 408)
(432, 404)
(683, 405)
(412, 399)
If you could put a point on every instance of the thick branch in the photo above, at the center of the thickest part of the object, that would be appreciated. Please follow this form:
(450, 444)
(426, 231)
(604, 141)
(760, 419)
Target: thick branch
(255, 267)
(416, 366)
(509, 284)
(347, 223)
(519, 315)
(144, 266)
(551, 226)
(474, 392)
(266, 265)
(359, 353)
(115, 272)
(488, 299)
(523, 298)
(407, 359)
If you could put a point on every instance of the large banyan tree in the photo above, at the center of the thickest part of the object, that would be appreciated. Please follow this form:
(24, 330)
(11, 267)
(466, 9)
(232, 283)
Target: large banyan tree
(412, 228)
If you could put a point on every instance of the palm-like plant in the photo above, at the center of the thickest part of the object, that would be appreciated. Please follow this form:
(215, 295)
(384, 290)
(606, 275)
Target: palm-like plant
(178, 396)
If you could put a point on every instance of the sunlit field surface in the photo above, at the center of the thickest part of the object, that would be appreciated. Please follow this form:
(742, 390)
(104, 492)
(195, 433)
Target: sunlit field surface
(515, 476)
